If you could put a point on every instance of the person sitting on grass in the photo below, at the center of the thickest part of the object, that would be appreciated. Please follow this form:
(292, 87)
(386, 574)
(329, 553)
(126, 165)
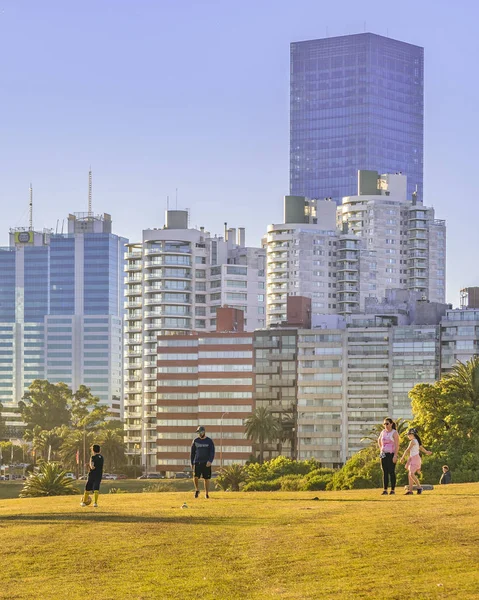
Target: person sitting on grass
(413, 464)
(446, 476)
(94, 477)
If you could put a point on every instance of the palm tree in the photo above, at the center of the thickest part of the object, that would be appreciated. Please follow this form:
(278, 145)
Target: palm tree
(75, 442)
(112, 448)
(51, 480)
(466, 377)
(44, 441)
(286, 431)
(230, 477)
(262, 427)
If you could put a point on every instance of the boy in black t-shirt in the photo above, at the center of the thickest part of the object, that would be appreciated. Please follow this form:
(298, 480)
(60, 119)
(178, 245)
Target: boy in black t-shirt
(94, 476)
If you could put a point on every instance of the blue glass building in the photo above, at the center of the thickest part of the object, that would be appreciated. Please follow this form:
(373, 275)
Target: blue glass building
(61, 311)
(356, 102)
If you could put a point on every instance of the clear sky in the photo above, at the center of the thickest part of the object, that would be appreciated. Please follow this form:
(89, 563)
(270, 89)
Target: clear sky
(194, 94)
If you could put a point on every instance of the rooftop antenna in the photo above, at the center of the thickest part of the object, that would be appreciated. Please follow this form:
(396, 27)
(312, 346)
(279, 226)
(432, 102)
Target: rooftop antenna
(31, 209)
(89, 192)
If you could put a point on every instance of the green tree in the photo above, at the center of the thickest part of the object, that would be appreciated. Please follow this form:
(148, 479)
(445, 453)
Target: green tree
(3, 424)
(6, 453)
(86, 411)
(44, 442)
(286, 432)
(73, 441)
(447, 416)
(231, 477)
(46, 405)
(261, 427)
(112, 447)
(50, 480)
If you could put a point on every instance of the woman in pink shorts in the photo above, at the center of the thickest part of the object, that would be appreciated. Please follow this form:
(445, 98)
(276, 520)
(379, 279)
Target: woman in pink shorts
(413, 464)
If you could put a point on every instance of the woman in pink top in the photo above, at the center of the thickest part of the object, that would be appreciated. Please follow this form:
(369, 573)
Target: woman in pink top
(388, 443)
(413, 464)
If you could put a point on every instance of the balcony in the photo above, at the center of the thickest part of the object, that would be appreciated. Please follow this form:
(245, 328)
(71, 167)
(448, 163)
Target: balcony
(135, 255)
(136, 291)
(347, 255)
(151, 377)
(279, 237)
(348, 298)
(132, 268)
(133, 328)
(133, 352)
(133, 304)
(161, 313)
(347, 266)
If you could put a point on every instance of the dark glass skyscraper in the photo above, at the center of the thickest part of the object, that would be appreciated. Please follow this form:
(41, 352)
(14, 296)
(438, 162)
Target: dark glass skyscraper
(357, 102)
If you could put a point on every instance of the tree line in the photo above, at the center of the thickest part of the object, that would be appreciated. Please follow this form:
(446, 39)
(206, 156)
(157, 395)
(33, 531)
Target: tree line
(61, 425)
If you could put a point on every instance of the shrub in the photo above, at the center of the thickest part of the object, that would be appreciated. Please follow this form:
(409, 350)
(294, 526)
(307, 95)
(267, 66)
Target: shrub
(262, 486)
(317, 483)
(114, 490)
(50, 480)
(231, 477)
(292, 483)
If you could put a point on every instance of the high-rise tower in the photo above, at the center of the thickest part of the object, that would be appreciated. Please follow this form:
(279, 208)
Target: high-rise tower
(357, 102)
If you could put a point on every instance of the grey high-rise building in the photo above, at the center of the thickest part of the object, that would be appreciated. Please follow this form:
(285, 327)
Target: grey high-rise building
(357, 102)
(61, 312)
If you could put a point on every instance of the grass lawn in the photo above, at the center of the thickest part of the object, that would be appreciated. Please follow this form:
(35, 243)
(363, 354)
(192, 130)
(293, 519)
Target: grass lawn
(251, 546)
(11, 489)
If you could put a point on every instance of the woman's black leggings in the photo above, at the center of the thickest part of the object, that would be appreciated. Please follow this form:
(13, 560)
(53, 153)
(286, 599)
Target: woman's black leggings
(389, 470)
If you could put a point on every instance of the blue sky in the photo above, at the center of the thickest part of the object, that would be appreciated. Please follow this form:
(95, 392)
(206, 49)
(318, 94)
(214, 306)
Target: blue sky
(159, 94)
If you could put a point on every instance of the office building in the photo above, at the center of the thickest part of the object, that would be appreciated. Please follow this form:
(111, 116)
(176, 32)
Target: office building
(61, 311)
(356, 102)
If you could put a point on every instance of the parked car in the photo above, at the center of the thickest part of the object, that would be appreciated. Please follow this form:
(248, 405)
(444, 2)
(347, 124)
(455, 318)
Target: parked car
(70, 475)
(151, 476)
(121, 476)
(181, 476)
(110, 476)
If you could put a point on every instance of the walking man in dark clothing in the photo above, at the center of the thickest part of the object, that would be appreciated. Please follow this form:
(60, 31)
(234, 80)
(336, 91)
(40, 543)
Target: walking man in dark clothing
(202, 455)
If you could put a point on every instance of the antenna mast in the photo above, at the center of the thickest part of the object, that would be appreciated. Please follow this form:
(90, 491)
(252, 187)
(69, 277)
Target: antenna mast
(30, 223)
(89, 193)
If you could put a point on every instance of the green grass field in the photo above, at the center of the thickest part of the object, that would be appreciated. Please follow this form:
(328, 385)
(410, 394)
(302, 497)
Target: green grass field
(11, 489)
(252, 546)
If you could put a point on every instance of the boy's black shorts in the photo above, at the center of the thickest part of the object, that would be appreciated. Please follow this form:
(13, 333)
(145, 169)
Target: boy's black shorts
(93, 484)
(201, 470)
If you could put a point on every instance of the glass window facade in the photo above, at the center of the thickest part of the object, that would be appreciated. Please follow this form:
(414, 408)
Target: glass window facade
(356, 102)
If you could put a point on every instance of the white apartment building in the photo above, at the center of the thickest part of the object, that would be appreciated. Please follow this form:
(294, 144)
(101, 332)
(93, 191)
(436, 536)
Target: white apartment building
(341, 256)
(402, 244)
(176, 278)
(301, 257)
